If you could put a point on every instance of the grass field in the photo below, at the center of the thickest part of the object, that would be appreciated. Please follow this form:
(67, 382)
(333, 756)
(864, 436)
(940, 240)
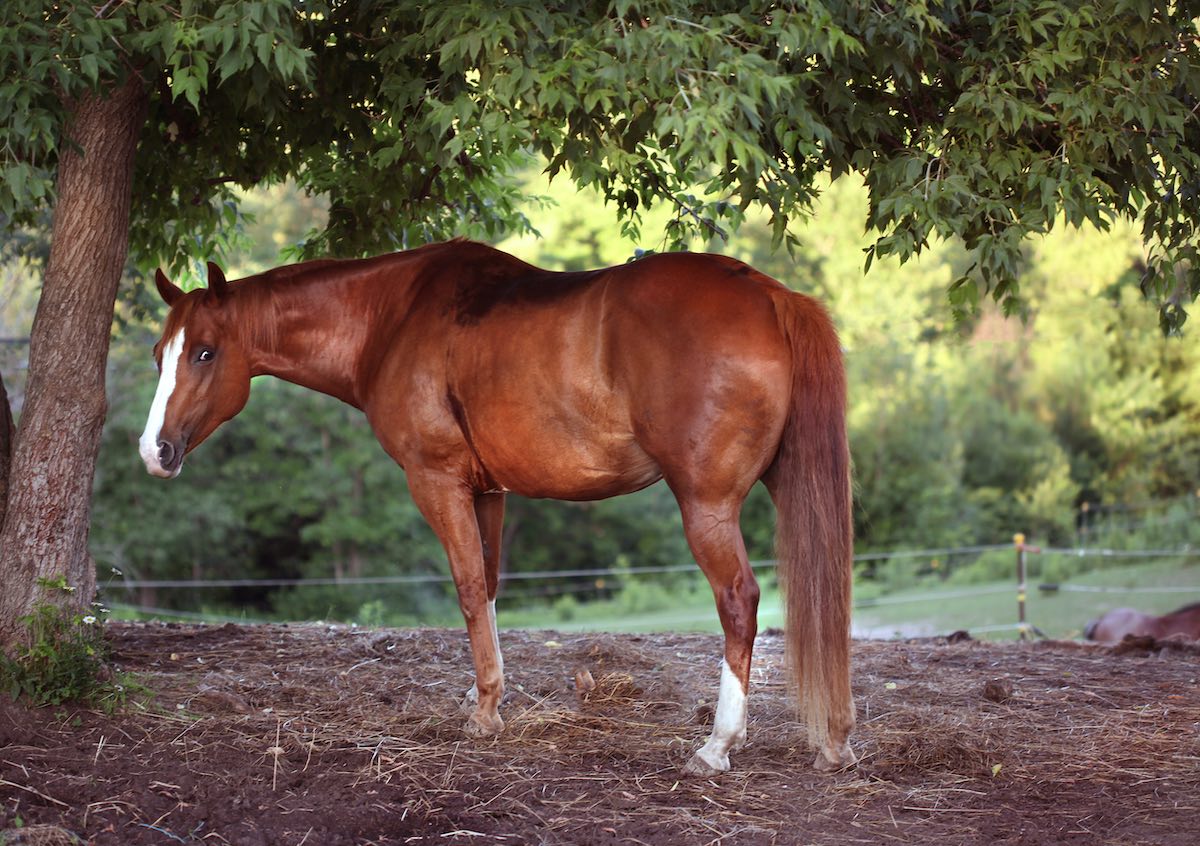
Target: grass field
(986, 610)
(1152, 587)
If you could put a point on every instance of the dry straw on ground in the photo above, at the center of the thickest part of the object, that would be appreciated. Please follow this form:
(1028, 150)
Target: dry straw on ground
(319, 735)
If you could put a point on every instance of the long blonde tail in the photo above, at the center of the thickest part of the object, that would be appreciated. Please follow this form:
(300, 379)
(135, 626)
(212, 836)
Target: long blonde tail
(814, 537)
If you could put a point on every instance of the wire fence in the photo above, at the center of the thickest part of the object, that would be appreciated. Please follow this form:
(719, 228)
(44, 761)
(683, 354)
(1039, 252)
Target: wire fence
(1068, 588)
(550, 583)
(594, 573)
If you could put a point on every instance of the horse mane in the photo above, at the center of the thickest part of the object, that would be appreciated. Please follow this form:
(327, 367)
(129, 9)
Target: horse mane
(259, 318)
(492, 275)
(300, 271)
(263, 293)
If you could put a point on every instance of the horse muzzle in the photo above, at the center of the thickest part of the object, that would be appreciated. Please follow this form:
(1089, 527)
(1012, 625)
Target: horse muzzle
(164, 460)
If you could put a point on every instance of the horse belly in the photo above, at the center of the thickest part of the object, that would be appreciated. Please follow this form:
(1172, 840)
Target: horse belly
(557, 459)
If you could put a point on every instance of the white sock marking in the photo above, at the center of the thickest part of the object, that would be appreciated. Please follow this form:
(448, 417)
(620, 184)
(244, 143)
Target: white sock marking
(496, 636)
(148, 443)
(729, 724)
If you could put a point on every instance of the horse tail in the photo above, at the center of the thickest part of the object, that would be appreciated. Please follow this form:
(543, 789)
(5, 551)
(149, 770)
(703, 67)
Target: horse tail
(814, 540)
(1089, 631)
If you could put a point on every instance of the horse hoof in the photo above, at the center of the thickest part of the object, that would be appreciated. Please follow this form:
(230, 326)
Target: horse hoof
(842, 759)
(703, 765)
(480, 726)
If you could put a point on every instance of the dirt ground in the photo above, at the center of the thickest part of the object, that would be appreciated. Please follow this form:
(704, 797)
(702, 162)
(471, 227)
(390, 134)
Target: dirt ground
(322, 736)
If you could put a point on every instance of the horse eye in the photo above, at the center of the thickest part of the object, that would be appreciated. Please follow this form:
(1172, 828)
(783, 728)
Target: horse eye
(204, 355)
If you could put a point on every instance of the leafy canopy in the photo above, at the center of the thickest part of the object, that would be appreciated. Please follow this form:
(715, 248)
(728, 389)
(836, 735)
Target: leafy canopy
(989, 121)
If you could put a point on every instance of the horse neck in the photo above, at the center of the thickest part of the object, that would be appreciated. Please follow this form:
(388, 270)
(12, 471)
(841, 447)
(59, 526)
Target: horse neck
(309, 331)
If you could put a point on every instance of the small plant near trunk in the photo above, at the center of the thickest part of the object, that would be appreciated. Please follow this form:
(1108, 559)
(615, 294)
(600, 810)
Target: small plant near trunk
(62, 658)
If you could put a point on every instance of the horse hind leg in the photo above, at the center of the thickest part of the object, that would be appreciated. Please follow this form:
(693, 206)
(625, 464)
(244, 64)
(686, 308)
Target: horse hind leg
(489, 513)
(715, 538)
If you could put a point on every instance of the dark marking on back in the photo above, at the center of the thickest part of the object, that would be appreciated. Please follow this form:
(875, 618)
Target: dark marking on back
(486, 292)
(491, 280)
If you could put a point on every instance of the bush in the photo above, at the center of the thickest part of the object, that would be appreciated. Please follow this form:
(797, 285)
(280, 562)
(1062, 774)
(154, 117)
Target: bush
(63, 659)
(638, 597)
(991, 566)
(565, 607)
(372, 614)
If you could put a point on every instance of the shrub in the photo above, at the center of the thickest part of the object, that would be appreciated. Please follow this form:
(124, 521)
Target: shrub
(990, 566)
(565, 607)
(639, 597)
(62, 658)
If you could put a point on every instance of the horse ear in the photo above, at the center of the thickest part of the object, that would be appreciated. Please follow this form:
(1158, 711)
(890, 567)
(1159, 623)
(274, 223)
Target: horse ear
(216, 280)
(168, 290)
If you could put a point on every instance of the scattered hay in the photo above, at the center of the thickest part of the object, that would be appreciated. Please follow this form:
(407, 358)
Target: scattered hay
(39, 835)
(615, 689)
(998, 691)
(916, 741)
(334, 735)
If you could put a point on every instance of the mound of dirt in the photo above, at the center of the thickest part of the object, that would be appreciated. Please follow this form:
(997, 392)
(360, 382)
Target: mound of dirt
(333, 735)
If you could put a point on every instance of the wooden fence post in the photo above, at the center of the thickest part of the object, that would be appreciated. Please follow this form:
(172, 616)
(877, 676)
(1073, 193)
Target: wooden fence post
(1022, 627)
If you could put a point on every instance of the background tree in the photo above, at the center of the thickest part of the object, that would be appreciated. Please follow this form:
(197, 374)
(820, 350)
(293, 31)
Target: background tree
(979, 121)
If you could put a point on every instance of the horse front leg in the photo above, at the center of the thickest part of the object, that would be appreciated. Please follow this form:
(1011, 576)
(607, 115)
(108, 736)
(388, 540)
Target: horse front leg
(449, 508)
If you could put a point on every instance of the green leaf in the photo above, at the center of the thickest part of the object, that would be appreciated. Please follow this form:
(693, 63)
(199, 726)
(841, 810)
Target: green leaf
(90, 67)
(263, 45)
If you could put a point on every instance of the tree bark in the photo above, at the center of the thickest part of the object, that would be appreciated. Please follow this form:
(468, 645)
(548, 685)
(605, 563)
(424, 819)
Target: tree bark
(45, 529)
(6, 439)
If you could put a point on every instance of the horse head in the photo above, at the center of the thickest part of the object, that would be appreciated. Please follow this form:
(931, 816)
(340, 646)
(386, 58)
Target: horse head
(204, 373)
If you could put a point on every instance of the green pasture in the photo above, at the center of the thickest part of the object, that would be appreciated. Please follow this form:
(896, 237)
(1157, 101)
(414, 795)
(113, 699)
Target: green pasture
(982, 608)
(926, 610)
(987, 609)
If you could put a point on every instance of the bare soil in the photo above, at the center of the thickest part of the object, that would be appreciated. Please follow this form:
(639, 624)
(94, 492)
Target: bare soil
(322, 735)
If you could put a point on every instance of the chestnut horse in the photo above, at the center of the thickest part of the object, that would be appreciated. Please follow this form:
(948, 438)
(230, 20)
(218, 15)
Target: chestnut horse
(483, 375)
(1119, 622)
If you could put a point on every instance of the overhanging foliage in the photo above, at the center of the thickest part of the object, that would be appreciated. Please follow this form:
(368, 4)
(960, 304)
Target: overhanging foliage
(983, 120)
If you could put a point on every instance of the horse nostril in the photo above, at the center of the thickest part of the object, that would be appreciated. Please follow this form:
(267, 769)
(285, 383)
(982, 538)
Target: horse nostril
(166, 452)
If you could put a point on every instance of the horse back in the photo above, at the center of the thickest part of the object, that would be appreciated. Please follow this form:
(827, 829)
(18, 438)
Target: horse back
(1183, 621)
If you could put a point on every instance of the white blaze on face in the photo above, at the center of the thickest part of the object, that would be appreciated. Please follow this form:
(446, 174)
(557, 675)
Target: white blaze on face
(148, 444)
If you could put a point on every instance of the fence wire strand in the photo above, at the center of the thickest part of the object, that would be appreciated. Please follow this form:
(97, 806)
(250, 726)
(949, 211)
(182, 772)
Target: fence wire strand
(598, 572)
(618, 574)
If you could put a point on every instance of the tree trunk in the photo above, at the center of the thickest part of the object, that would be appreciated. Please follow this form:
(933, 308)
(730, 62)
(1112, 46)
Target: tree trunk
(6, 439)
(45, 528)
